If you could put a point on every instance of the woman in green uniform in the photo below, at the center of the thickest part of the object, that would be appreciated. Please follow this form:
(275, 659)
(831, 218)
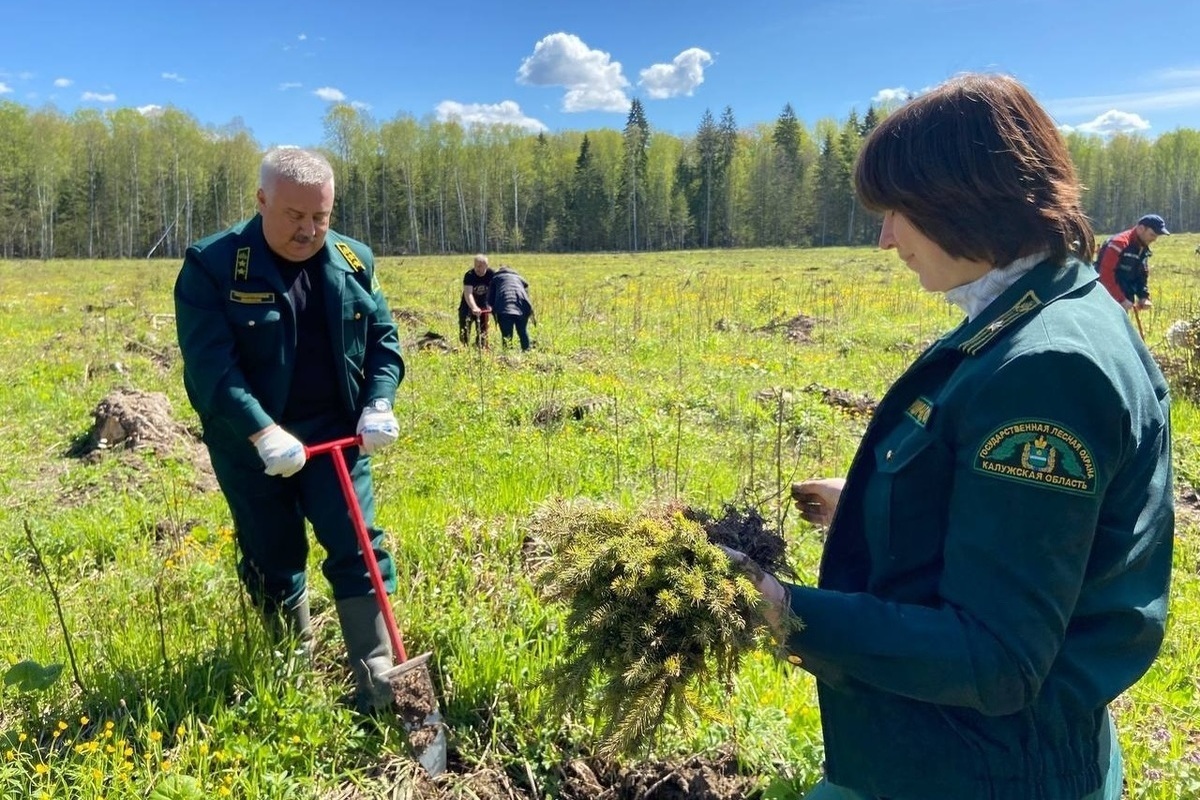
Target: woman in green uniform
(997, 559)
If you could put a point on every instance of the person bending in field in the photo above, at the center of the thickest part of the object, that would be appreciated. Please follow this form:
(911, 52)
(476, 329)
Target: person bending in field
(997, 560)
(1122, 262)
(473, 308)
(286, 341)
(508, 297)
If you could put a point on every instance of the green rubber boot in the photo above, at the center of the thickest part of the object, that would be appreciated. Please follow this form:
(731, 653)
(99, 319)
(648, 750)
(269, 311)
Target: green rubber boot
(369, 651)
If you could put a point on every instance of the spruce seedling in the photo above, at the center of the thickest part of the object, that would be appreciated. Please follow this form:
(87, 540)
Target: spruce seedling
(655, 611)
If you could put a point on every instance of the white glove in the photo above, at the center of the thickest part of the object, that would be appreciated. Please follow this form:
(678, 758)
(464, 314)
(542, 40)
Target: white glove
(377, 426)
(281, 453)
(774, 595)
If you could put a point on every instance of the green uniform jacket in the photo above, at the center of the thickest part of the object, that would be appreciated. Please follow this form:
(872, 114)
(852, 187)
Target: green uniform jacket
(237, 331)
(1000, 556)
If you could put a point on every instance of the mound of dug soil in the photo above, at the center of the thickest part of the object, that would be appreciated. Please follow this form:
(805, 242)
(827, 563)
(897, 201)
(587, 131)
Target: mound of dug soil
(856, 405)
(129, 419)
(798, 329)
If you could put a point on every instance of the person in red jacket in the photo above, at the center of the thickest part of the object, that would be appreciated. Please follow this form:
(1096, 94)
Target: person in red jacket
(1122, 262)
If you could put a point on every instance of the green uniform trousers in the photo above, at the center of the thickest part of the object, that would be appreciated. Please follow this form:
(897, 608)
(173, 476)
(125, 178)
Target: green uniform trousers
(269, 513)
(1110, 790)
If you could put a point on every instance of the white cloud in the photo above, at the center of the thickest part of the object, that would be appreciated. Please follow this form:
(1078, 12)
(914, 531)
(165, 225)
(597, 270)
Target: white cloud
(5, 88)
(360, 105)
(302, 37)
(592, 79)
(506, 112)
(63, 83)
(330, 94)
(151, 110)
(173, 76)
(1112, 121)
(97, 97)
(680, 77)
(890, 96)
(283, 87)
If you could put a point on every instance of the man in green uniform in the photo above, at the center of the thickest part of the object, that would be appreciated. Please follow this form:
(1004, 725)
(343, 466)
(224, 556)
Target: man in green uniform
(287, 340)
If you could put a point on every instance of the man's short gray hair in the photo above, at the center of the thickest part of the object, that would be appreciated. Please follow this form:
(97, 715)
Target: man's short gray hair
(296, 165)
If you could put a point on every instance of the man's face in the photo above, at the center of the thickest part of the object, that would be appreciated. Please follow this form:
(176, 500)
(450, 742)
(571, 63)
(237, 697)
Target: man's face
(480, 267)
(295, 218)
(1147, 234)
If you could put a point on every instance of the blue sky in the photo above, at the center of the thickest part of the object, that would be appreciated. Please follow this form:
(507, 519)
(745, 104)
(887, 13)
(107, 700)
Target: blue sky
(1097, 65)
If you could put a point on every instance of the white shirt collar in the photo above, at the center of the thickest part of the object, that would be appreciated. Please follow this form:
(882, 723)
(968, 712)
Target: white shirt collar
(977, 295)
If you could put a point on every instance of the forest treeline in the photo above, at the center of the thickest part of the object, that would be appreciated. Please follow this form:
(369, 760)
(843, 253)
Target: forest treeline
(120, 184)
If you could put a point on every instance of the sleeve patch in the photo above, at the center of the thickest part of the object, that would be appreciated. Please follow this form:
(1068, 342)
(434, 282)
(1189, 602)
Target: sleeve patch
(351, 257)
(1038, 452)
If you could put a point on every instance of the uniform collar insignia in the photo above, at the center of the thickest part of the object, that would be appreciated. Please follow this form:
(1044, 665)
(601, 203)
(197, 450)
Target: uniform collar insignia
(1028, 302)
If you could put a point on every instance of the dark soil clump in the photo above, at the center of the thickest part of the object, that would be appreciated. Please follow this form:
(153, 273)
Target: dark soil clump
(697, 778)
(744, 529)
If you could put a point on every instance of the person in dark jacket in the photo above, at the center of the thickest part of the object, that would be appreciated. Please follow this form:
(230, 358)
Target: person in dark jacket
(1122, 262)
(996, 565)
(473, 310)
(287, 341)
(508, 296)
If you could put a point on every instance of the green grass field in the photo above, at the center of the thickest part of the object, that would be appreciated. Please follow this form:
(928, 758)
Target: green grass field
(673, 365)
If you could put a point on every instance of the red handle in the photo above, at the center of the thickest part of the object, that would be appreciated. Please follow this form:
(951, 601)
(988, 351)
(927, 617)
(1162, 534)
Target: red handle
(328, 447)
(334, 448)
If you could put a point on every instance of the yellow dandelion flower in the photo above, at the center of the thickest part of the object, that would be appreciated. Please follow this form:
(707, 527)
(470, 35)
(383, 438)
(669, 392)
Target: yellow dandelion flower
(41, 769)
(224, 791)
(84, 720)
(108, 726)
(62, 726)
(128, 752)
(108, 734)
(165, 766)
(295, 739)
(203, 748)
(108, 748)
(155, 736)
(11, 754)
(22, 736)
(97, 775)
(180, 731)
(56, 734)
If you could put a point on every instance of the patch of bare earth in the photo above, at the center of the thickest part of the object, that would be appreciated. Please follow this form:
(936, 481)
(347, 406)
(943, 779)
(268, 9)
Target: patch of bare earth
(553, 413)
(694, 778)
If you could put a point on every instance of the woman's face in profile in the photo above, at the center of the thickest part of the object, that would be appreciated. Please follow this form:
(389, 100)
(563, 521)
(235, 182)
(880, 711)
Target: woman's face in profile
(937, 270)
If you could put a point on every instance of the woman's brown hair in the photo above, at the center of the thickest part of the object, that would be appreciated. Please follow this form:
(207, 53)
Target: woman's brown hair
(978, 166)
